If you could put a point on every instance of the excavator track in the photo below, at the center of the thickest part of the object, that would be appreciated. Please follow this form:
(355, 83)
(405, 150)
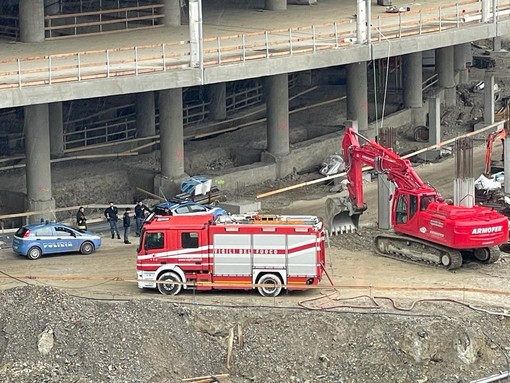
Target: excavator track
(413, 250)
(487, 254)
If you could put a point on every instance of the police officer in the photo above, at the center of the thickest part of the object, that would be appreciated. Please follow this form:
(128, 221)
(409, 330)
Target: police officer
(81, 220)
(140, 210)
(111, 214)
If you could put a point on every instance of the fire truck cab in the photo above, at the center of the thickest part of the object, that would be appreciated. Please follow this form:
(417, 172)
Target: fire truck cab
(202, 252)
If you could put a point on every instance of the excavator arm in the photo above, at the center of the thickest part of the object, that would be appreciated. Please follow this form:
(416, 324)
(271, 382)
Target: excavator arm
(398, 170)
(491, 138)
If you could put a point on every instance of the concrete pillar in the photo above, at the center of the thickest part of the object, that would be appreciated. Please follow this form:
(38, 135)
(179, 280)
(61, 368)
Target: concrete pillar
(446, 76)
(434, 120)
(31, 21)
(413, 79)
(464, 183)
(172, 9)
(145, 118)
(506, 165)
(171, 133)
(488, 98)
(275, 5)
(461, 58)
(385, 189)
(56, 121)
(38, 168)
(218, 101)
(496, 44)
(277, 113)
(357, 98)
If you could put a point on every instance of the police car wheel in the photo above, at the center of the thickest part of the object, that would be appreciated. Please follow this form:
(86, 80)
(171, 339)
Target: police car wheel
(271, 288)
(86, 248)
(173, 287)
(34, 253)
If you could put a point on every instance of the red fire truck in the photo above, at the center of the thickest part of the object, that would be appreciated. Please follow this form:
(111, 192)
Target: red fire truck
(231, 252)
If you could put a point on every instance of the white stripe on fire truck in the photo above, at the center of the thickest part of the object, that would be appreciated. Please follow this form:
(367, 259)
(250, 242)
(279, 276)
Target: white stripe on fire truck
(200, 251)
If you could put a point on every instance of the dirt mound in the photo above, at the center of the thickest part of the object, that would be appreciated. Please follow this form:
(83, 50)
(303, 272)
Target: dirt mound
(49, 336)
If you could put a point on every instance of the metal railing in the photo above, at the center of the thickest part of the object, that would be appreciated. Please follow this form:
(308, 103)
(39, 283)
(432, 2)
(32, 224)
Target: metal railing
(222, 50)
(109, 20)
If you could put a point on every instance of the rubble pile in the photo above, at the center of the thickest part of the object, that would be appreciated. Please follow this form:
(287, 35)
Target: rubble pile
(50, 336)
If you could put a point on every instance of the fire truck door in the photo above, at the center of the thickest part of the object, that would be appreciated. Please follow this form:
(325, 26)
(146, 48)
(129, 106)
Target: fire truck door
(192, 249)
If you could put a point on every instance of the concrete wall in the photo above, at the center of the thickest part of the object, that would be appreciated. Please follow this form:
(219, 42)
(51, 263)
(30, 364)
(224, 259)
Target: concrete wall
(305, 156)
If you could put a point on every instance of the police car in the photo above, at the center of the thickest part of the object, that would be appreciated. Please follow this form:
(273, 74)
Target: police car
(36, 240)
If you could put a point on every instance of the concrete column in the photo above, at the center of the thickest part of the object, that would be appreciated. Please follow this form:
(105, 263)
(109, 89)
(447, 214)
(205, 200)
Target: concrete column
(38, 168)
(145, 118)
(357, 99)
(460, 57)
(506, 165)
(56, 121)
(218, 101)
(413, 79)
(275, 5)
(31, 21)
(434, 120)
(446, 77)
(172, 11)
(385, 189)
(171, 133)
(277, 112)
(496, 44)
(488, 98)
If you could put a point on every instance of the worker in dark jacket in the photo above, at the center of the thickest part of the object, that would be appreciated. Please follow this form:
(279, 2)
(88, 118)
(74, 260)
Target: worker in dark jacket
(126, 220)
(111, 214)
(81, 220)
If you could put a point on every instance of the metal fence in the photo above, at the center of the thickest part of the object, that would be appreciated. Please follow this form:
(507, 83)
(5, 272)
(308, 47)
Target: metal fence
(222, 50)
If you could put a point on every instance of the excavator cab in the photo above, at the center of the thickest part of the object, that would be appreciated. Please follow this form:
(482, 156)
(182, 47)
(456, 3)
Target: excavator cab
(408, 208)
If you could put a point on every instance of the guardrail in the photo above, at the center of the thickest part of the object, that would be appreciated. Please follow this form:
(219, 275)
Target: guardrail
(102, 21)
(221, 50)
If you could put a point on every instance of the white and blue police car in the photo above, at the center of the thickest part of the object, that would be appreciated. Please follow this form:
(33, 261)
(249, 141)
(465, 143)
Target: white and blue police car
(36, 240)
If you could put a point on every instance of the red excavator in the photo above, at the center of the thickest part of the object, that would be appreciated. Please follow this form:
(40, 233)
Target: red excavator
(426, 228)
(494, 166)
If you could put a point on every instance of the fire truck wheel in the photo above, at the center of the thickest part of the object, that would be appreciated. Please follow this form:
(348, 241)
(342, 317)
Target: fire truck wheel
(169, 288)
(271, 288)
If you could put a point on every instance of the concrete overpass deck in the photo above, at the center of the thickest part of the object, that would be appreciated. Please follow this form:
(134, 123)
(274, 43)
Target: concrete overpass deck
(238, 43)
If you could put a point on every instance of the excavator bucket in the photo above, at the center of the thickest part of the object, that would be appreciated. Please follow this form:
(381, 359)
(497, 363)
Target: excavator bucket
(340, 216)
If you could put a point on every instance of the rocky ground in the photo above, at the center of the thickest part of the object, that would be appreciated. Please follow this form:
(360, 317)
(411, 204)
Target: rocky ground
(50, 336)
(66, 335)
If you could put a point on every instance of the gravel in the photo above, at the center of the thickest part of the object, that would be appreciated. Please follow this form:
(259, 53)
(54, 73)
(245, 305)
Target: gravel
(50, 336)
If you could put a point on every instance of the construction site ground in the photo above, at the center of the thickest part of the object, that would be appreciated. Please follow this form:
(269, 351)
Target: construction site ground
(79, 318)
